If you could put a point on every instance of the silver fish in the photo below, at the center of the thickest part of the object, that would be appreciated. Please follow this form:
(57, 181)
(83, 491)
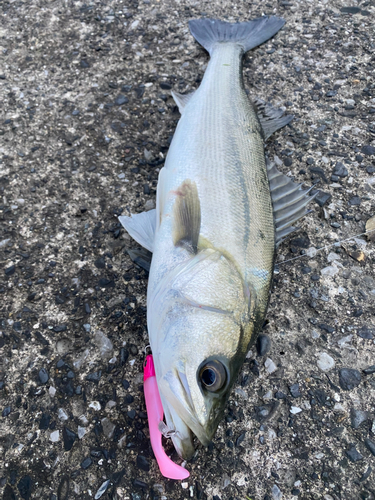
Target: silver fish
(221, 210)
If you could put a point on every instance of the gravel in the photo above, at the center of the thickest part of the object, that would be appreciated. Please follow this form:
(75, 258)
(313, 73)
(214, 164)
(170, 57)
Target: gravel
(85, 90)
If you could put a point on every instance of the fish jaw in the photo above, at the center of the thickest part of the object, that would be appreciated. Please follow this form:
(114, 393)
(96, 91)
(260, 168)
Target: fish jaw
(189, 410)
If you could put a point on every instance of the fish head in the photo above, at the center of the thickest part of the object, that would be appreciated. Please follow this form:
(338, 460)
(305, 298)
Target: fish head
(194, 384)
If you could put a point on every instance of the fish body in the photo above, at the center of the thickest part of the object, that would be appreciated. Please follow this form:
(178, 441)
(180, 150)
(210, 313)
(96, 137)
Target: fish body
(213, 235)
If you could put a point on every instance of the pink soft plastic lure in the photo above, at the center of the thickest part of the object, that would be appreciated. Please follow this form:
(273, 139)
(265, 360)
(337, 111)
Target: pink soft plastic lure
(155, 415)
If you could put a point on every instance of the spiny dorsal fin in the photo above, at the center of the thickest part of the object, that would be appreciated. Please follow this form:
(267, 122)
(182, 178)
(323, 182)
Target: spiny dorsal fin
(187, 216)
(270, 118)
(289, 201)
(182, 99)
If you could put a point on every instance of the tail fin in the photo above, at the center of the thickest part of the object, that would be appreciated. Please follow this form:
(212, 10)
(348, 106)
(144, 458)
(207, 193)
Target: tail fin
(208, 32)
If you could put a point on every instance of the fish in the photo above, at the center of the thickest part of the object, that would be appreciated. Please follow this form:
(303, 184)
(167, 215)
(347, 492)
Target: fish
(222, 208)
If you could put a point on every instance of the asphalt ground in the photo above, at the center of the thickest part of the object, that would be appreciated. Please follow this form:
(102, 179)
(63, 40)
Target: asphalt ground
(86, 121)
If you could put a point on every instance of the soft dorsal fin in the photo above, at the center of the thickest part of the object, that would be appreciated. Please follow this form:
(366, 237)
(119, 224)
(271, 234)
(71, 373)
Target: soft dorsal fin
(141, 227)
(289, 201)
(187, 216)
(182, 99)
(270, 118)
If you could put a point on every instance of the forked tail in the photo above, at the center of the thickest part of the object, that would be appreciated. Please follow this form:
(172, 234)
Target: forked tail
(209, 32)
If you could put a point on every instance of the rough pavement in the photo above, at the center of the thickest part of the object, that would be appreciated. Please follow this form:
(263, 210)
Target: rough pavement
(86, 121)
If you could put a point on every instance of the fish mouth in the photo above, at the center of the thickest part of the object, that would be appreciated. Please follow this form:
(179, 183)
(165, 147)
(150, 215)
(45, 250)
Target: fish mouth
(181, 415)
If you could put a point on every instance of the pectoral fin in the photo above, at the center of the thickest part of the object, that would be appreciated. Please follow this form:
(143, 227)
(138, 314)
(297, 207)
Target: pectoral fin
(141, 227)
(187, 216)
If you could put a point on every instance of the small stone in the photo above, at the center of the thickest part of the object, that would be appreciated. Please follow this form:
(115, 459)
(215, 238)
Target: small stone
(322, 198)
(6, 411)
(10, 270)
(25, 487)
(121, 99)
(340, 170)
(294, 391)
(366, 333)
(108, 427)
(329, 270)
(368, 150)
(69, 437)
(295, 409)
(95, 405)
(276, 493)
(43, 376)
(357, 417)
(353, 454)
(355, 201)
(104, 344)
(81, 431)
(54, 436)
(103, 488)
(165, 85)
(62, 415)
(94, 377)
(263, 345)
(325, 362)
(142, 463)
(85, 464)
(369, 370)
(349, 378)
(370, 445)
(270, 365)
(100, 263)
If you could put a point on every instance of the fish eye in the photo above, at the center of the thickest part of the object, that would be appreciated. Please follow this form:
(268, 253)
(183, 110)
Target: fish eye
(213, 376)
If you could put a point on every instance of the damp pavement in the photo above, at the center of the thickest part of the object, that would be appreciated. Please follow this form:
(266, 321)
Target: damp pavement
(86, 121)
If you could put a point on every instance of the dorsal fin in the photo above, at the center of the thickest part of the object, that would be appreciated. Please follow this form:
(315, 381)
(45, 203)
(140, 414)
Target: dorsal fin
(187, 216)
(270, 118)
(289, 201)
(182, 99)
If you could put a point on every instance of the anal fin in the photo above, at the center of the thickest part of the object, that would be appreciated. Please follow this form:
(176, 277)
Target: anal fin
(289, 201)
(270, 118)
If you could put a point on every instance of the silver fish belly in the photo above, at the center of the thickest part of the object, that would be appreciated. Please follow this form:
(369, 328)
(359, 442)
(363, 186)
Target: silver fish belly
(220, 212)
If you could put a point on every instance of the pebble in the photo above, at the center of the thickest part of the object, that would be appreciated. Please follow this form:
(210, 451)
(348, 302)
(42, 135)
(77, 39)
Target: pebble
(143, 463)
(263, 345)
(6, 411)
(276, 493)
(329, 270)
(357, 417)
(325, 362)
(353, 454)
(368, 150)
(369, 370)
(81, 431)
(25, 487)
(54, 436)
(340, 170)
(322, 198)
(270, 365)
(121, 99)
(295, 409)
(149, 205)
(366, 333)
(94, 377)
(104, 344)
(10, 270)
(349, 378)
(43, 376)
(294, 391)
(69, 437)
(370, 445)
(95, 405)
(62, 415)
(85, 464)
(108, 427)
(103, 488)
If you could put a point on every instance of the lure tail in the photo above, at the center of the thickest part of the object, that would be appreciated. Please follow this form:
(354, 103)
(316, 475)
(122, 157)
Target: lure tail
(209, 32)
